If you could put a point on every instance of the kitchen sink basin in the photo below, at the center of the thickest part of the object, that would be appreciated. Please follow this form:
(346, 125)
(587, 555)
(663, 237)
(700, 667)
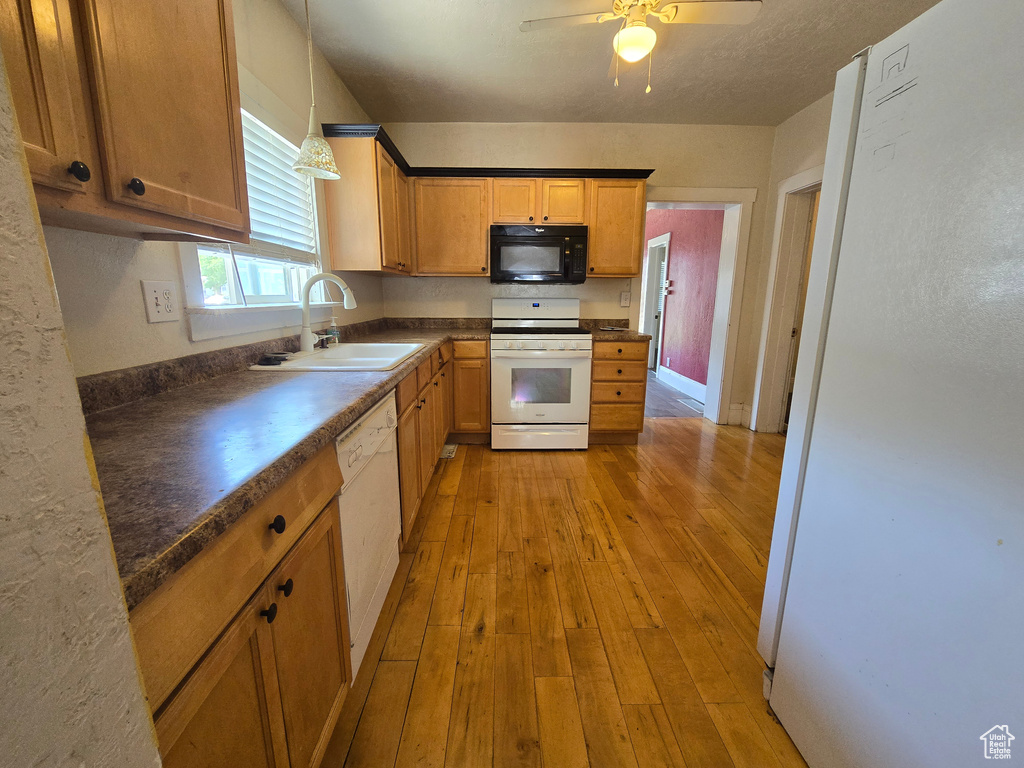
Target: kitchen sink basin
(347, 357)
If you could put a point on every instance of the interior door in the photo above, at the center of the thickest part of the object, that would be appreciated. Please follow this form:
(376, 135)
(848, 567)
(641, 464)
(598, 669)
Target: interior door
(900, 635)
(654, 293)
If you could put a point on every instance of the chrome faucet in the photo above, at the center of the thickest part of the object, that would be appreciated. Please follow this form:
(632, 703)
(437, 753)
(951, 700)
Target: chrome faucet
(307, 340)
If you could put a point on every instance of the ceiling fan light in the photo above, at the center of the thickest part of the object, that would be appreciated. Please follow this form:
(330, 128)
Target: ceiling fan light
(634, 42)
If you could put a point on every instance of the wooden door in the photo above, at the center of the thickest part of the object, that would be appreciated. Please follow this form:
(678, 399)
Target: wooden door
(40, 52)
(440, 413)
(616, 227)
(166, 94)
(472, 400)
(409, 467)
(451, 226)
(311, 645)
(404, 192)
(228, 711)
(563, 201)
(387, 203)
(428, 458)
(513, 201)
(447, 390)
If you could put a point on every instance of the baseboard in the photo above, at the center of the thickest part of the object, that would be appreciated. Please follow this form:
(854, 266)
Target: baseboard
(688, 387)
(469, 438)
(739, 415)
(614, 438)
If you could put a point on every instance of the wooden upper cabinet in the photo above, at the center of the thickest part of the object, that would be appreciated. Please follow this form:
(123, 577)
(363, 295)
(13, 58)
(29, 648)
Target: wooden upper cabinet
(513, 201)
(403, 191)
(563, 201)
(228, 711)
(387, 202)
(452, 225)
(39, 45)
(617, 210)
(169, 116)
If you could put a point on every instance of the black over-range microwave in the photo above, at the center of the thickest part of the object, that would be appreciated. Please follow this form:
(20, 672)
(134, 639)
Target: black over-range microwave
(528, 254)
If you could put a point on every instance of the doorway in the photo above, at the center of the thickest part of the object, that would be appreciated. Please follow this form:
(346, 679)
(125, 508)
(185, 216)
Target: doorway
(792, 246)
(652, 295)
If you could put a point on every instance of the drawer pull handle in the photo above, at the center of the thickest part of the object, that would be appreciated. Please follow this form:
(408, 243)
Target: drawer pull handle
(620, 371)
(287, 588)
(80, 171)
(620, 351)
(136, 185)
(619, 394)
(270, 614)
(278, 525)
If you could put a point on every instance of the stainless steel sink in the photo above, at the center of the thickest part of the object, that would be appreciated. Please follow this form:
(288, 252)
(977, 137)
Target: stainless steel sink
(348, 357)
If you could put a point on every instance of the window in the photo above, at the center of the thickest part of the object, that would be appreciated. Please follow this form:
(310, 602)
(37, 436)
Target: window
(283, 252)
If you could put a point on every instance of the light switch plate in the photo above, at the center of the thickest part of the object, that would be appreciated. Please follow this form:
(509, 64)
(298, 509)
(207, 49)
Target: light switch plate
(624, 299)
(161, 298)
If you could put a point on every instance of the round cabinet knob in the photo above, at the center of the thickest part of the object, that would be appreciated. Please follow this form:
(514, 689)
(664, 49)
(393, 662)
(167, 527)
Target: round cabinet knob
(531, 218)
(286, 588)
(620, 371)
(545, 218)
(483, 269)
(618, 394)
(620, 351)
(591, 269)
(278, 525)
(137, 186)
(270, 614)
(80, 171)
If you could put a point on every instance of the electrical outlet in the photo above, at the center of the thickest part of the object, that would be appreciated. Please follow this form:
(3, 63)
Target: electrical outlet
(161, 301)
(624, 299)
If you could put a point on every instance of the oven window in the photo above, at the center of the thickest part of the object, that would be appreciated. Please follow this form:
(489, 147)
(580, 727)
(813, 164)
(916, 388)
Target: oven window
(541, 385)
(531, 259)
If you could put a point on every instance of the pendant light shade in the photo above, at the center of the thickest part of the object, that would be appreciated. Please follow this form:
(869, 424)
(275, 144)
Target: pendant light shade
(315, 156)
(634, 41)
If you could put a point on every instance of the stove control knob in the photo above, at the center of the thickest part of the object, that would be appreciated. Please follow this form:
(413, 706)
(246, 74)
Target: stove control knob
(561, 345)
(575, 345)
(508, 345)
(519, 344)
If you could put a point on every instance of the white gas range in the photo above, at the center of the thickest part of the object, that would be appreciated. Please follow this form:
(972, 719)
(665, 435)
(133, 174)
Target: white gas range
(540, 374)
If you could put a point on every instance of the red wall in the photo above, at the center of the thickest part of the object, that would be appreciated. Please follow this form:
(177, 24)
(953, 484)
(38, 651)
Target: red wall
(693, 269)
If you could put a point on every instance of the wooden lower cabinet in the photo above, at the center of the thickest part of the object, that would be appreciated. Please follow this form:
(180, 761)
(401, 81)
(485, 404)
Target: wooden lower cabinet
(618, 390)
(409, 464)
(270, 689)
(471, 385)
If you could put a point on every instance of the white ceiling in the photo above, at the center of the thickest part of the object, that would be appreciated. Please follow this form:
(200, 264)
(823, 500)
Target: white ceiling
(466, 60)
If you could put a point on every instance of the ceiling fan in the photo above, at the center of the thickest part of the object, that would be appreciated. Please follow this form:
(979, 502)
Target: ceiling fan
(635, 39)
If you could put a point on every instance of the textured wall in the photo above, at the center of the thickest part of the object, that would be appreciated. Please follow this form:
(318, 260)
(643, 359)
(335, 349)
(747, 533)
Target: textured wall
(694, 252)
(98, 276)
(69, 687)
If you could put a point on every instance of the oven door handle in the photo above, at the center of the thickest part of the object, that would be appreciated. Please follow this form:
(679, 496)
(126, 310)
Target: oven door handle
(535, 354)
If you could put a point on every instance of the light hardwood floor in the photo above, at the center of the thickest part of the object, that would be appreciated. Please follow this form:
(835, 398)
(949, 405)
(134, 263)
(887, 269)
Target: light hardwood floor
(567, 609)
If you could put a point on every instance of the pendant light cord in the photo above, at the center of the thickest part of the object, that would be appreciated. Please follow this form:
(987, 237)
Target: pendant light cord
(309, 43)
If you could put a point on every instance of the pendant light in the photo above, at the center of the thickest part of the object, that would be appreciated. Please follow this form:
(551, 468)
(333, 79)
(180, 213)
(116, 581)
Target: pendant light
(315, 157)
(634, 41)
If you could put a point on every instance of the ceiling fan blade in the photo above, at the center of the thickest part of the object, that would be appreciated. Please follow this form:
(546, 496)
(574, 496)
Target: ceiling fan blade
(561, 21)
(710, 12)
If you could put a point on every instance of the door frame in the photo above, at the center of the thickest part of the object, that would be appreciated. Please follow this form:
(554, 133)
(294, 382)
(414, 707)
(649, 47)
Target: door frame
(738, 204)
(649, 298)
(789, 249)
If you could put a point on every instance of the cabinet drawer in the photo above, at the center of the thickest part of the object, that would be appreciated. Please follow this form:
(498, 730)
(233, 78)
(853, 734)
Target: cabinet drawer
(406, 391)
(613, 417)
(423, 375)
(613, 370)
(620, 350)
(617, 392)
(175, 625)
(466, 350)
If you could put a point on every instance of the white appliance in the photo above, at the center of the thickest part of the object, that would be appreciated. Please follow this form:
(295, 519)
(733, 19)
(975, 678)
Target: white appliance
(371, 518)
(540, 374)
(894, 610)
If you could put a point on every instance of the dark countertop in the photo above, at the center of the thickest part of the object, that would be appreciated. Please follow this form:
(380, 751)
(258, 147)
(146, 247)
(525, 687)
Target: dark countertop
(178, 468)
(623, 335)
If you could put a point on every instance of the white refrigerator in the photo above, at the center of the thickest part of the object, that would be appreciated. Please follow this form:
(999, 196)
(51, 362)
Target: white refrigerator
(893, 616)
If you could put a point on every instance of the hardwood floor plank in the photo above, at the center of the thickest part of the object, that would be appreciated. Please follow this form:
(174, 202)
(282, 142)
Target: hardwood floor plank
(480, 616)
(653, 741)
(426, 722)
(516, 732)
(471, 731)
(451, 472)
(513, 613)
(406, 635)
(469, 483)
(742, 737)
(450, 592)
(561, 732)
(605, 727)
(547, 632)
(483, 557)
(438, 513)
(510, 523)
(380, 728)
(573, 597)
(531, 503)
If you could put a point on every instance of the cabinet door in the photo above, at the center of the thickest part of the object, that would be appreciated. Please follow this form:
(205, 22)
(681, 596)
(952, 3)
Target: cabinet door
(404, 192)
(616, 227)
(311, 638)
(428, 458)
(228, 711)
(168, 112)
(409, 467)
(472, 411)
(42, 66)
(387, 203)
(440, 413)
(563, 201)
(451, 226)
(447, 390)
(513, 201)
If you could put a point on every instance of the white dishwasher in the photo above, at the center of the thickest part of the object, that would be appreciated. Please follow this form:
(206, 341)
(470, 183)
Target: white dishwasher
(371, 518)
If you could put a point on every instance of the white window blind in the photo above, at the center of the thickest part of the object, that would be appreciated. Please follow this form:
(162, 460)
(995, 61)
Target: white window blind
(281, 212)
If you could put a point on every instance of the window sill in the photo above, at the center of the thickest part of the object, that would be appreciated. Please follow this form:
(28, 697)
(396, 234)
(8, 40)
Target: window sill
(218, 322)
